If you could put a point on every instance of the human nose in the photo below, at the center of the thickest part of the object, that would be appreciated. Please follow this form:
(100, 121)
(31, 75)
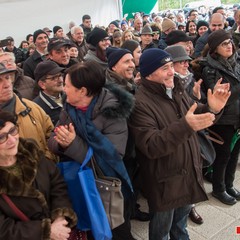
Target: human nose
(171, 72)
(7, 81)
(132, 64)
(10, 139)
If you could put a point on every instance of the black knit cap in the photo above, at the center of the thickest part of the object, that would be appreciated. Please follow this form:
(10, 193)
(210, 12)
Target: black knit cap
(201, 23)
(95, 36)
(56, 28)
(114, 55)
(217, 37)
(115, 23)
(38, 32)
(177, 36)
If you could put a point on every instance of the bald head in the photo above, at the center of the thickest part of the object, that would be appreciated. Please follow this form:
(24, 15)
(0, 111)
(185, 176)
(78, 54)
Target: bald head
(216, 22)
(138, 24)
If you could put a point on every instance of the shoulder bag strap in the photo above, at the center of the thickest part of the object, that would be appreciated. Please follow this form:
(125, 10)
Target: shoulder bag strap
(215, 137)
(15, 209)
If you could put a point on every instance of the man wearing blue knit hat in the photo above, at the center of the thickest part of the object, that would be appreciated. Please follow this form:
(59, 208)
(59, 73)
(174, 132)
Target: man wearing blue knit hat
(120, 68)
(164, 125)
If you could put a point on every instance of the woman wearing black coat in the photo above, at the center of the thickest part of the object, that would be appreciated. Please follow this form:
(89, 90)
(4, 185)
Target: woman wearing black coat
(222, 62)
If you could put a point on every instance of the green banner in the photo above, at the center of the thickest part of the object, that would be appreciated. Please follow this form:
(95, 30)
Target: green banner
(132, 6)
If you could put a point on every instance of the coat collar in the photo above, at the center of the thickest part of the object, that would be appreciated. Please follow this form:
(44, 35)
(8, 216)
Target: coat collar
(46, 99)
(160, 89)
(28, 160)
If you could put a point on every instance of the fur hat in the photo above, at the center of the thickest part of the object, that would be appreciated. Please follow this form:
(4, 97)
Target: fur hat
(131, 45)
(96, 35)
(178, 53)
(217, 37)
(38, 32)
(152, 59)
(114, 55)
(167, 24)
(56, 28)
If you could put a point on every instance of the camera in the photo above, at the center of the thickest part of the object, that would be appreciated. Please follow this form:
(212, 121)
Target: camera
(4, 42)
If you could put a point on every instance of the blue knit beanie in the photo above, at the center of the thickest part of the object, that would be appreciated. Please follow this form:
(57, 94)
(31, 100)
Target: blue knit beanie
(114, 55)
(152, 59)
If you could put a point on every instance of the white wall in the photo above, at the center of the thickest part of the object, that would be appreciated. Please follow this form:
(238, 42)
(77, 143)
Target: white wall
(21, 17)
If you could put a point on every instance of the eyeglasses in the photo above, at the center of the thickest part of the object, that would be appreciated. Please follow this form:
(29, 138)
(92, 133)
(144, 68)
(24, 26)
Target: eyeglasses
(4, 136)
(184, 62)
(105, 39)
(5, 62)
(8, 76)
(225, 44)
(55, 77)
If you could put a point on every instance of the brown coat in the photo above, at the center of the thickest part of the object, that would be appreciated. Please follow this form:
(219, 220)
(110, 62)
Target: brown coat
(36, 124)
(167, 149)
(40, 193)
(25, 85)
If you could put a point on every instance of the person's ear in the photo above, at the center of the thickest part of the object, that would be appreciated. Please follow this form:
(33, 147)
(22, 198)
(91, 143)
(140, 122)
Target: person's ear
(41, 84)
(83, 91)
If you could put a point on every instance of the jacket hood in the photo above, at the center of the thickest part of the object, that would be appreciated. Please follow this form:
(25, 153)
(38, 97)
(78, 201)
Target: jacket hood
(115, 102)
(114, 78)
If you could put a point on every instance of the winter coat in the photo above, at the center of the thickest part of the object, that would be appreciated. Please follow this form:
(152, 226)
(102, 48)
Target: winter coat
(34, 123)
(150, 45)
(31, 63)
(91, 56)
(114, 78)
(167, 148)
(235, 37)
(40, 193)
(49, 106)
(109, 116)
(85, 30)
(82, 49)
(18, 53)
(211, 74)
(25, 85)
(200, 44)
(162, 42)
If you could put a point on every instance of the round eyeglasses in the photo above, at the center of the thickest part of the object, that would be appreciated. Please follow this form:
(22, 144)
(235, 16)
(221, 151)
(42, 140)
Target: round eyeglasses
(4, 136)
(225, 44)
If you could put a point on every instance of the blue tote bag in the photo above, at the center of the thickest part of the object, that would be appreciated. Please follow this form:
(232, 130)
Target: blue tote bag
(85, 197)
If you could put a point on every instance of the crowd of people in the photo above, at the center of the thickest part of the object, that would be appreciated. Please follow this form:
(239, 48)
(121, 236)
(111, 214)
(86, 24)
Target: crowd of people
(137, 92)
